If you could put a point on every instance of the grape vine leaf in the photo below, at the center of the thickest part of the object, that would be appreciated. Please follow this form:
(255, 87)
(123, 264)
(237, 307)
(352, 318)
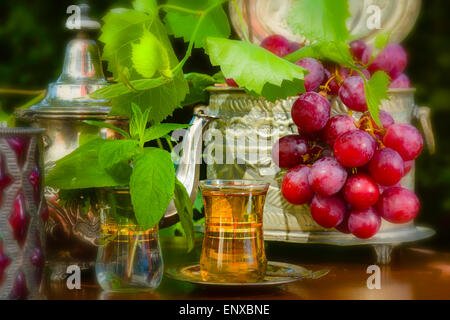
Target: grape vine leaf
(152, 185)
(256, 69)
(320, 20)
(148, 6)
(123, 28)
(382, 40)
(197, 88)
(81, 169)
(135, 86)
(376, 90)
(338, 52)
(182, 24)
(185, 211)
(149, 56)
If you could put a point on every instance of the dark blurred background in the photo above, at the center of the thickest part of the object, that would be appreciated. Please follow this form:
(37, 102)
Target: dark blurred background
(33, 39)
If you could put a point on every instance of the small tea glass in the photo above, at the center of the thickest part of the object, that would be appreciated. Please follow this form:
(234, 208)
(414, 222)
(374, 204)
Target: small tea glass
(233, 246)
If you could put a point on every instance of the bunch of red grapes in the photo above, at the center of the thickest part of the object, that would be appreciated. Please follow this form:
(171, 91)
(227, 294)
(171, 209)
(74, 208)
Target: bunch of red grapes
(348, 171)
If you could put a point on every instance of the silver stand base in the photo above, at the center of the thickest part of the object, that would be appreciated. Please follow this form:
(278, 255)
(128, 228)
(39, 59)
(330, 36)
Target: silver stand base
(383, 243)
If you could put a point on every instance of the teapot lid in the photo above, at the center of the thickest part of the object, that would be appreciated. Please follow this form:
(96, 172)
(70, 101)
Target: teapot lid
(267, 17)
(82, 74)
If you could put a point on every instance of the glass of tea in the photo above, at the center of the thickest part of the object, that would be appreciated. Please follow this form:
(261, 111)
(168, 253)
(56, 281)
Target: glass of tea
(233, 246)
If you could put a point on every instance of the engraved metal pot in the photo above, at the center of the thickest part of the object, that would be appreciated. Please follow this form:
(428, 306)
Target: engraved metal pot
(22, 213)
(245, 131)
(72, 228)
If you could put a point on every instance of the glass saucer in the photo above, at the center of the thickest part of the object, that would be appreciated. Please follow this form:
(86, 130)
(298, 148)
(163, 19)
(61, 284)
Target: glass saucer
(278, 273)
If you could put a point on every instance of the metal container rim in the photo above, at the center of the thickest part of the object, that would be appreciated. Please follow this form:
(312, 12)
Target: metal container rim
(225, 89)
(22, 131)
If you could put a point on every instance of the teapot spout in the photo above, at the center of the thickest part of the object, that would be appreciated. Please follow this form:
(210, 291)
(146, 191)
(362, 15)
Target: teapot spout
(188, 172)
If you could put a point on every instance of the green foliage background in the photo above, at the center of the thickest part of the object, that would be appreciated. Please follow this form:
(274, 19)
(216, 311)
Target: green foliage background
(33, 39)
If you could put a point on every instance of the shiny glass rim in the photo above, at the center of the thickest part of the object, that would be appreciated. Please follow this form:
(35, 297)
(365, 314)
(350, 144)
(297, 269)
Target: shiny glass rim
(242, 185)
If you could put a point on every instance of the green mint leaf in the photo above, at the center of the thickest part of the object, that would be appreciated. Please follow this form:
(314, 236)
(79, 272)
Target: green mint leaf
(376, 90)
(136, 121)
(185, 211)
(149, 56)
(161, 129)
(256, 69)
(182, 24)
(198, 204)
(81, 169)
(148, 6)
(322, 20)
(197, 88)
(115, 157)
(102, 124)
(87, 137)
(382, 40)
(152, 186)
(120, 89)
(338, 52)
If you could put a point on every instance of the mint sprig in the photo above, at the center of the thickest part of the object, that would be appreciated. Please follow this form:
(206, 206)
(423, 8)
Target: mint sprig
(149, 172)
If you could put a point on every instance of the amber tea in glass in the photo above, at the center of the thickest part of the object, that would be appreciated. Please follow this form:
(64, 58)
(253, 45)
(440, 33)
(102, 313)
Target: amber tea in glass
(233, 246)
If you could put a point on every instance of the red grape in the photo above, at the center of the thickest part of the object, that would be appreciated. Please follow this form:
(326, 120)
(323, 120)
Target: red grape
(357, 48)
(353, 95)
(343, 226)
(277, 44)
(288, 151)
(354, 148)
(326, 77)
(408, 165)
(316, 75)
(327, 177)
(386, 167)
(343, 73)
(231, 83)
(398, 205)
(405, 139)
(336, 126)
(334, 86)
(386, 120)
(295, 186)
(364, 224)
(311, 112)
(361, 51)
(328, 212)
(383, 188)
(361, 191)
(294, 46)
(401, 82)
(392, 60)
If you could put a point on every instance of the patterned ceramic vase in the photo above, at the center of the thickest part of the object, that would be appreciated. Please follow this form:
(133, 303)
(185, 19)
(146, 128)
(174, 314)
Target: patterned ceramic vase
(22, 213)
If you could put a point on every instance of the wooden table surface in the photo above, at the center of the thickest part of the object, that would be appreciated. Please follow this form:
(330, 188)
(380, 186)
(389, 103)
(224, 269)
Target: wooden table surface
(414, 273)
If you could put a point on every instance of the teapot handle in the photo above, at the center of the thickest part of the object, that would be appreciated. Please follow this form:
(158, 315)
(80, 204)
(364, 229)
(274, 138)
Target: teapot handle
(188, 172)
(422, 114)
